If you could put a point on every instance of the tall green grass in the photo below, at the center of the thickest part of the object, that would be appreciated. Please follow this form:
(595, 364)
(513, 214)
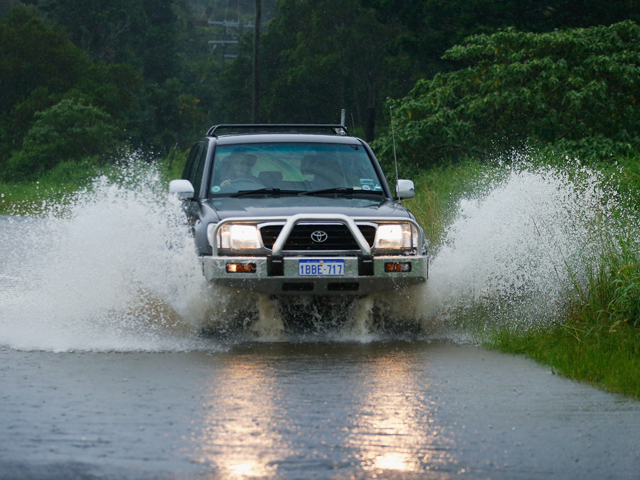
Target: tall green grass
(598, 338)
(29, 198)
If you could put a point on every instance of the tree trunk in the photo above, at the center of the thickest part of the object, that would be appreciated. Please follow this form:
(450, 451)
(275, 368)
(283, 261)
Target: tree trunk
(370, 125)
(255, 107)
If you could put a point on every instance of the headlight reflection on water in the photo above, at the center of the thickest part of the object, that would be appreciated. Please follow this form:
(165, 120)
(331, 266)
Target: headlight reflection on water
(268, 419)
(395, 429)
(239, 436)
(250, 469)
(395, 461)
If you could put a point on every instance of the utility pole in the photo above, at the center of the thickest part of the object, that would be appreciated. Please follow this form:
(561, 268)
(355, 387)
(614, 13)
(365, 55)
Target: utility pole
(255, 108)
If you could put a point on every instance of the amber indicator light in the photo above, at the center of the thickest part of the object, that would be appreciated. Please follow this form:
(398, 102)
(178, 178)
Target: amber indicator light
(397, 267)
(241, 267)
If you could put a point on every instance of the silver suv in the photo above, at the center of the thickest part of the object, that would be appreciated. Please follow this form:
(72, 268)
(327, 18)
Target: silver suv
(298, 210)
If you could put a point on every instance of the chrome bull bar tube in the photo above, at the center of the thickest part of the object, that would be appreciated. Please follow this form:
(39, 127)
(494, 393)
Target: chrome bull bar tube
(318, 218)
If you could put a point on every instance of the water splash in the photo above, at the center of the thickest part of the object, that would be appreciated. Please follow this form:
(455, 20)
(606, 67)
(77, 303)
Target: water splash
(516, 251)
(114, 268)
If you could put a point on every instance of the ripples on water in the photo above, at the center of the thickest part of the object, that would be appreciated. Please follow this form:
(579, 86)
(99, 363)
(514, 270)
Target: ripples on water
(115, 269)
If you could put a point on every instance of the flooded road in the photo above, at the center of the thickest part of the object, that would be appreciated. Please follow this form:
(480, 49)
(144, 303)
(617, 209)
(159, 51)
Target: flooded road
(392, 409)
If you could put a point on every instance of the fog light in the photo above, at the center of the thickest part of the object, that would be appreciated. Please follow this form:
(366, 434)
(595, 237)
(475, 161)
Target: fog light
(397, 267)
(241, 267)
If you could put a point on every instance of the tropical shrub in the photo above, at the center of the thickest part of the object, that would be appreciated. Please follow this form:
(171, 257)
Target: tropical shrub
(68, 131)
(574, 89)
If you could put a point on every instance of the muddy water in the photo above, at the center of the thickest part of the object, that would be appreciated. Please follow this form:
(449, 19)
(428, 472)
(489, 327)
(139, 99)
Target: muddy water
(391, 409)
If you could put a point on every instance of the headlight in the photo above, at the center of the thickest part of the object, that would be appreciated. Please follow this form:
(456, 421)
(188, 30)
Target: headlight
(241, 237)
(397, 236)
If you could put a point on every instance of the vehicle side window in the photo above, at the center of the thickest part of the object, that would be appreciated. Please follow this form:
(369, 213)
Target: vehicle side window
(191, 159)
(198, 168)
(195, 166)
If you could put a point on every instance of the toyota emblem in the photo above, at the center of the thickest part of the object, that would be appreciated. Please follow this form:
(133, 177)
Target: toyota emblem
(319, 236)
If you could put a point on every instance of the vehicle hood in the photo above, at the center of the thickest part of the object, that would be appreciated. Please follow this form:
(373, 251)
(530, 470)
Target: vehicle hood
(287, 206)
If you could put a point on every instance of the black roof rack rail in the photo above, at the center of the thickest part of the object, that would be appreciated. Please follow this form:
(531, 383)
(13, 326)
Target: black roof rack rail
(241, 128)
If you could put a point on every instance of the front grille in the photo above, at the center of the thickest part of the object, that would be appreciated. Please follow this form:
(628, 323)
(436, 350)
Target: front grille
(338, 236)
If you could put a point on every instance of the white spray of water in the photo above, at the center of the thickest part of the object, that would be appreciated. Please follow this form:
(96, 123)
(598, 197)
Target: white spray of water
(269, 325)
(514, 254)
(115, 268)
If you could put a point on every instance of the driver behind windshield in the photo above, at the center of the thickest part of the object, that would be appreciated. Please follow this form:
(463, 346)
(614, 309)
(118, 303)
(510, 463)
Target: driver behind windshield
(238, 168)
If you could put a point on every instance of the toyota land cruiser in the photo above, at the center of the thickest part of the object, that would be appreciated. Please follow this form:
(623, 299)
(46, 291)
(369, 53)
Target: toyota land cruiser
(298, 210)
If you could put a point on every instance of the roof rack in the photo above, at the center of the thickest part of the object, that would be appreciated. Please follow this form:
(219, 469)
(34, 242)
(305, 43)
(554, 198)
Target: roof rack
(238, 129)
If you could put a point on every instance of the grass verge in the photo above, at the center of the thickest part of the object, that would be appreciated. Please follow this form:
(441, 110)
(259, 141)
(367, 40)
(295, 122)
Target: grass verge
(598, 341)
(29, 198)
(608, 359)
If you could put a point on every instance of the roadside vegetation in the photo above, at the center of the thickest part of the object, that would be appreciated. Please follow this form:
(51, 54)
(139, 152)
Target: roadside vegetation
(30, 198)
(598, 338)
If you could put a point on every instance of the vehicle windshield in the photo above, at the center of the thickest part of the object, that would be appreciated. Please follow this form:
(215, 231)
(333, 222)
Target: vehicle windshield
(293, 168)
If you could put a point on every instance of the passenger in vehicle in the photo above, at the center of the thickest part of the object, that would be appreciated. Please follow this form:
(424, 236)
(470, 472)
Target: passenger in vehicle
(326, 173)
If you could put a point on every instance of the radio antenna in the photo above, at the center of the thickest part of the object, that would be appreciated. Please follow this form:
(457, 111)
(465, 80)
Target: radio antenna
(393, 136)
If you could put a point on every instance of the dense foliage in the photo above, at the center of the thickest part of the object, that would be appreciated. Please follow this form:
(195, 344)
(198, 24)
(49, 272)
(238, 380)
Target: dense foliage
(319, 57)
(40, 68)
(68, 130)
(150, 68)
(574, 90)
(314, 64)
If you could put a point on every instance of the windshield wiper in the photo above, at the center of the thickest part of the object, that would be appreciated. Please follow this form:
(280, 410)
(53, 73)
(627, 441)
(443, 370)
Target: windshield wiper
(265, 191)
(341, 190)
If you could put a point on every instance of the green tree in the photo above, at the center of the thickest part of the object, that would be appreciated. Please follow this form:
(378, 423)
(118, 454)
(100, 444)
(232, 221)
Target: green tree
(159, 47)
(34, 55)
(574, 89)
(68, 131)
(159, 40)
(39, 67)
(140, 32)
(38, 64)
(317, 58)
(430, 27)
(104, 29)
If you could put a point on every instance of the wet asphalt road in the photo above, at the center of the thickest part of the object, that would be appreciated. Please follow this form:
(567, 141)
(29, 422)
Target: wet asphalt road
(296, 411)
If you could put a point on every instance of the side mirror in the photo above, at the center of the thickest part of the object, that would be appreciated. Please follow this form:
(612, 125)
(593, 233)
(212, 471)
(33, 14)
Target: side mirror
(182, 189)
(405, 189)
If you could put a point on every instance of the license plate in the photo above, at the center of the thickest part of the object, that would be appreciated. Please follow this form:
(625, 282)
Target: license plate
(321, 268)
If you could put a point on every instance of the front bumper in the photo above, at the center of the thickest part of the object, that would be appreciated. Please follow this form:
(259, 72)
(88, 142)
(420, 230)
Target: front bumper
(290, 283)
